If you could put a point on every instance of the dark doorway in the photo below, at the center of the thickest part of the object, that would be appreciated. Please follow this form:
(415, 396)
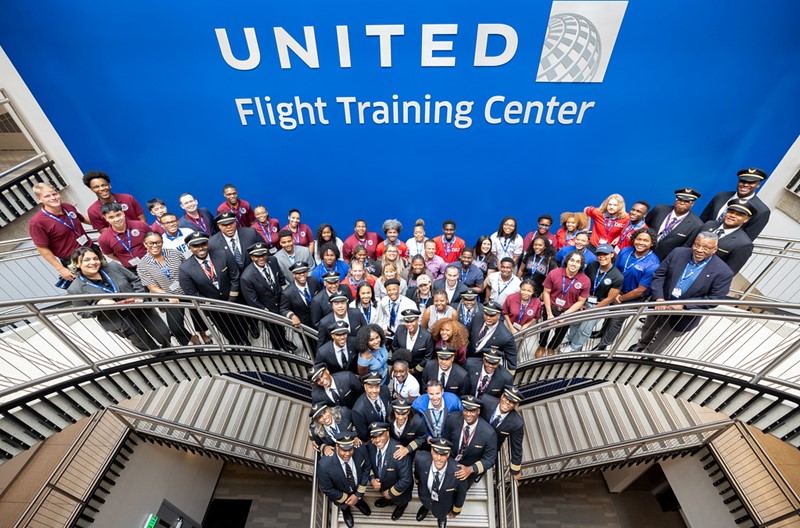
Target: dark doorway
(227, 513)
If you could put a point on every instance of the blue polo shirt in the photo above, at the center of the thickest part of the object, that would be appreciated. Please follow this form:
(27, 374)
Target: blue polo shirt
(636, 271)
(340, 267)
(566, 250)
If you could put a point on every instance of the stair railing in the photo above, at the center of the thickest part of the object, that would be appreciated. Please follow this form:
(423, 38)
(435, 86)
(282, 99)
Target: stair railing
(320, 505)
(506, 492)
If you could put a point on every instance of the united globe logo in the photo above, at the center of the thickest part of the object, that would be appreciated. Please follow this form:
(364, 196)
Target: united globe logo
(579, 41)
(572, 50)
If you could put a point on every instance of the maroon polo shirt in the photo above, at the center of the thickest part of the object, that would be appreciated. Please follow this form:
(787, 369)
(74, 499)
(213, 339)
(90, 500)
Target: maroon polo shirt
(129, 204)
(112, 243)
(60, 237)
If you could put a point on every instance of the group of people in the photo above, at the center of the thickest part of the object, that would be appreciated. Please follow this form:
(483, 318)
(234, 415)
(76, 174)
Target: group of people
(413, 374)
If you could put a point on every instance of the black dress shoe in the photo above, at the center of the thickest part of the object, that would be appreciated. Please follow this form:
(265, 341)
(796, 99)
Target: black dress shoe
(398, 511)
(255, 332)
(422, 513)
(636, 348)
(442, 523)
(600, 347)
(596, 334)
(363, 507)
(382, 502)
(347, 515)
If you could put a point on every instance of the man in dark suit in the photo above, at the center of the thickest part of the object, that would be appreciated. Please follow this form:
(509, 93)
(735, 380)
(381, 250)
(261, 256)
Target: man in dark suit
(749, 181)
(452, 377)
(338, 353)
(391, 477)
(321, 303)
(438, 488)
(450, 284)
(486, 375)
(372, 406)
(213, 275)
(474, 441)
(339, 389)
(233, 239)
(735, 247)
(296, 297)
(411, 336)
(261, 288)
(196, 218)
(486, 331)
(502, 415)
(340, 312)
(343, 477)
(407, 427)
(468, 308)
(674, 224)
(694, 273)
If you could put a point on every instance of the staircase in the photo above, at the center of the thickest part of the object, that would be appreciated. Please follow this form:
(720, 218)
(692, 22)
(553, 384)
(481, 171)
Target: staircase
(607, 425)
(228, 417)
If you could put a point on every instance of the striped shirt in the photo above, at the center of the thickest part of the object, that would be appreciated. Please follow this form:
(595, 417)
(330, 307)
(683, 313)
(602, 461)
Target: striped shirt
(152, 273)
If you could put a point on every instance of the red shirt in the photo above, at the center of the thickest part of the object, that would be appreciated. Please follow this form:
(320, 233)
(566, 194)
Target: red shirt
(303, 236)
(402, 248)
(349, 283)
(563, 239)
(60, 234)
(605, 230)
(449, 251)
(133, 211)
(526, 242)
(370, 241)
(625, 236)
(531, 311)
(268, 231)
(562, 287)
(157, 227)
(112, 243)
(244, 213)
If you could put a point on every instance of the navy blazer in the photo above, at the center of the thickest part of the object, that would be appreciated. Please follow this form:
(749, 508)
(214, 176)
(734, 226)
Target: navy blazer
(457, 381)
(734, 249)
(345, 422)
(512, 427)
(713, 282)
(498, 381)
(328, 323)
(502, 338)
(364, 412)
(247, 237)
(452, 492)
(423, 346)
(293, 301)
(395, 475)
(481, 452)
(327, 354)
(348, 386)
(207, 217)
(194, 281)
(414, 434)
(686, 230)
(753, 227)
(257, 292)
(332, 479)
(321, 304)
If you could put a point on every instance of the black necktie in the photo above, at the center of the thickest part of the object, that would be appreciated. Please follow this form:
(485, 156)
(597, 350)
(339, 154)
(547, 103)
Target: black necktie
(267, 275)
(380, 462)
(484, 382)
(378, 410)
(236, 253)
(465, 440)
(442, 380)
(351, 481)
(343, 358)
(436, 482)
(306, 295)
(495, 420)
(482, 333)
(335, 394)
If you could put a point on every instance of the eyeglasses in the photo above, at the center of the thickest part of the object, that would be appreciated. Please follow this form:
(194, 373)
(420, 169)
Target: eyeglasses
(171, 222)
(705, 249)
(153, 244)
(545, 225)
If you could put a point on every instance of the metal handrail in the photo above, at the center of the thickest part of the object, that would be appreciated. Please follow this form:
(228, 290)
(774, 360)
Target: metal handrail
(320, 506)
(635, 446)
(507, 496)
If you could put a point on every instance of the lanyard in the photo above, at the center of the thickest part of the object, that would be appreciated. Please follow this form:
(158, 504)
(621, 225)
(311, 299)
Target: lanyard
(636, 260)
(129, 247)
(564, 287)
(210, 273)
(265, 231)
(399, 388)
(691, 270)
(236, 212)
(199, 222)
(296, 238)
(164, 269)
(533, 265)
(464, 275)
(367, 313)
(504, 246)
(447, 246)
(598, 278)
(436, 419)
(630, 228)
(608, 222)
(499, 280)
(523, 310)
(100, 286)
(569, 238)
(71, 225)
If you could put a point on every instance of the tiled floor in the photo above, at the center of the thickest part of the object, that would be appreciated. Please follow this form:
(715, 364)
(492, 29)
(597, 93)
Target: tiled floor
(584, 502)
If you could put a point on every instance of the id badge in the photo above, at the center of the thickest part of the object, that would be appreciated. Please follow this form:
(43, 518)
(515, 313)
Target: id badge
(676, 292)
(561, 302)
(592, 299)
(82, 240)
(175, 286)
(434, 496)
(133, 262)
(516, 326)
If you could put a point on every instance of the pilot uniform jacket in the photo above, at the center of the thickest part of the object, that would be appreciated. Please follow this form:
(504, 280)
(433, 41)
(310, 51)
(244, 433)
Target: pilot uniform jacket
(512, 427)
(734, 248)
(423, 346)
(753, 227)
(327, 354)
(395, 475)
(354, 317)
(457, 381)
(364, 412)
(333, 480)
(345, 423)
(348, 386)
(502, 338)
(481, 452)
(414, 435)
(247, 237)
(685, 231)
(496, 384)
(452, 492)
(321, 304)
(257, 292)
(293, 301)
(195, 282)
(713, 282)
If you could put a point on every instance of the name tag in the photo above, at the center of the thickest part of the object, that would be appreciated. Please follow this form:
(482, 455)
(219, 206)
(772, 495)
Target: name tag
(516, 326)
(560, 302)
(133, 262)
(82, 240)
(603, 241)
(592, 299)
(175, 286)
(434, 496)
(676, 292)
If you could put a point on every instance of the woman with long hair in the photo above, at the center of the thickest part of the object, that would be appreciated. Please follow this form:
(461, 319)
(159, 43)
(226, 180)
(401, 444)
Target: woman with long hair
(365, 302)
(370, 266)
(389, 272)
(326, 421)
(414, 270)
(447, 332)
(325, 235)
(506, 242)
(484, 258)
(391, 255)
(571, 225)
(522, 309)
(537, 261)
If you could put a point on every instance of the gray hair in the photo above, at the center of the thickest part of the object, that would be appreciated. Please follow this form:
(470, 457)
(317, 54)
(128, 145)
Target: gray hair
(708, 235)
(319, 429)
(392, 223)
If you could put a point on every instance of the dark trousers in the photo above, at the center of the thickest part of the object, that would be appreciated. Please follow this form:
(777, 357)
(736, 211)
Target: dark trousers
(558, 333)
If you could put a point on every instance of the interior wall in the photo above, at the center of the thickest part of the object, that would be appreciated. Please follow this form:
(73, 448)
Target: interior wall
(701, 504)
(155, 473)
